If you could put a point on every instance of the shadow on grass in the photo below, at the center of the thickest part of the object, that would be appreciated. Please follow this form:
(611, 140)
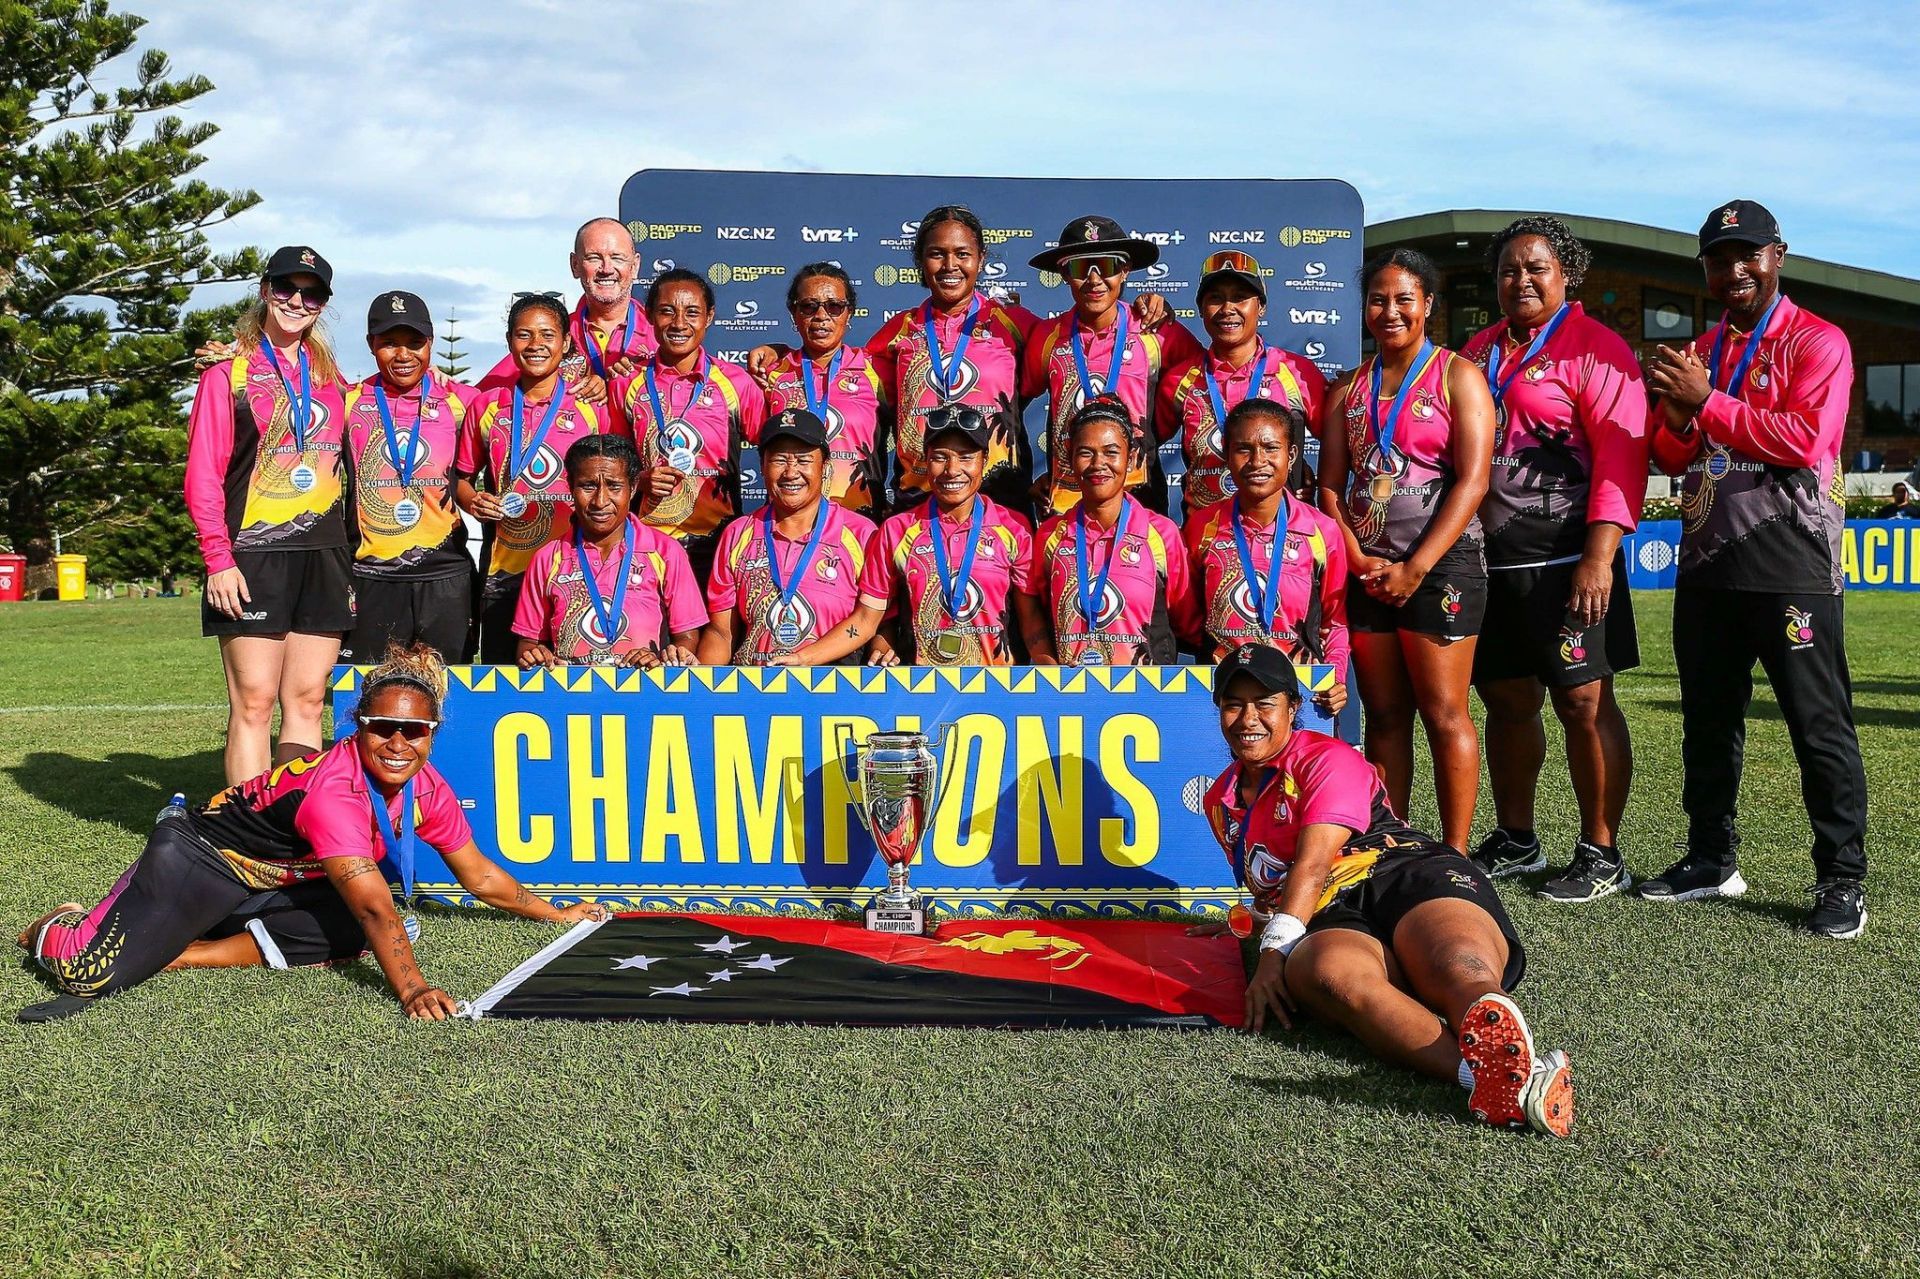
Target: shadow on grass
(1781, 912)
(1370, 1084)
(126, 788)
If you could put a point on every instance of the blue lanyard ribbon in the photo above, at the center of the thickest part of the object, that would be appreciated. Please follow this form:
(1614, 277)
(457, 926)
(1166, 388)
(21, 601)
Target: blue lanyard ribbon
(944, 374)
(1113, 364)
(302, 404)
(403, 466)
(400, 848)
(1266, 599)
(1246, 823)
(1256, 382)
(1383, 432)
(608, 613)
(1738, 380)
(1499, 385)
(818, 406)
(520, 450)
(954, 589)
(705, 369)
(616, 342)
(791, 587)
(1094, 594)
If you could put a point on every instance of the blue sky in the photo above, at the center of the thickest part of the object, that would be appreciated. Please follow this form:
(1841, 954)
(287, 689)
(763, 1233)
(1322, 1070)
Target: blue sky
(451, 149)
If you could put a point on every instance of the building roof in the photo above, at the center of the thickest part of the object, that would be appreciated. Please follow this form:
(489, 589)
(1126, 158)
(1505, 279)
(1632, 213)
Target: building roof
(1479, 224)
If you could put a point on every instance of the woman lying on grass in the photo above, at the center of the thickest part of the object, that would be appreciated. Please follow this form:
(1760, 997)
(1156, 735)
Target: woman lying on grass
(1369, 923)
(283, 869)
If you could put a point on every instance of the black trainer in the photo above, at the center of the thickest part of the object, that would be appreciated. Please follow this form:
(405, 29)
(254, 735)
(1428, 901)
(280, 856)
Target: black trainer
(1592, 874)
(1839, 909)
(1501, 855)
(1695, 877)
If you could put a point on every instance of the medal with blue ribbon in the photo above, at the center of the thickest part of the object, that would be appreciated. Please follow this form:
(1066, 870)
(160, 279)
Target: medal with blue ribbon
(1256, 384)
(616, 341)
(1736, 385)
(1093, 593)
(817, 405)
(1266, 598)
(785, 629)
(1240, 915)
(953, 590)
(1500, 385)
(406, 512)
(520, 448)
(299, 411)
(1383, 432)
(680, 459)
(609, 613)
(1119, 356)
(945, 374)
(400, 847)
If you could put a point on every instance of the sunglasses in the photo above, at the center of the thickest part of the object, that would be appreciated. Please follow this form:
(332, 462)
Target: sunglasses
(949, 417)
(313, 297)
(835, 307)
(555, 294)
(1078, 269)
(1230, 260)
(412, 729)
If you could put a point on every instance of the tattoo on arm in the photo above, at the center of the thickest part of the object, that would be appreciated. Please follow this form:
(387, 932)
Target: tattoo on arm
(853, 632)
(521, 896)
(356, 867)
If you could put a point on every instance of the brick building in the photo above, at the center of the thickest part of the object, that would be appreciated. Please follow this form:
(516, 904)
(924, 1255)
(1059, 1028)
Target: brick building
(1646, 283)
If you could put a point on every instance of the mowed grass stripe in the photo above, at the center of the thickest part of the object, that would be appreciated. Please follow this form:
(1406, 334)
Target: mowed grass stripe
(1745, 1093)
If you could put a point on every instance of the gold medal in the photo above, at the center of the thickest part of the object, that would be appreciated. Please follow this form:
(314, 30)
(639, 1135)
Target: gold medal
(1240, 920)
(1381, 488)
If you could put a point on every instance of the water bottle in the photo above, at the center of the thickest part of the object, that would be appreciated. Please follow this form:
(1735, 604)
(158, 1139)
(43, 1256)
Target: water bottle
(176, 808)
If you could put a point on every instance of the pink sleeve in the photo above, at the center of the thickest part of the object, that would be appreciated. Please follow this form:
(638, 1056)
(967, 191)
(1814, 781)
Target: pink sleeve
(1313, 389)
(721, 586)
(442, 823)
(1024, 579)
(876, 576)
(1023, 320)
(337, 822)
(1036, 358)
(470, 455)
(1338, 645)
(683, 607)
(505, 373)
(1177, 345)
(1183, 600)
(533, 615)
(1613, 408)
(1336, 788)
(753, 408)
(1819, 388)
(209, 451)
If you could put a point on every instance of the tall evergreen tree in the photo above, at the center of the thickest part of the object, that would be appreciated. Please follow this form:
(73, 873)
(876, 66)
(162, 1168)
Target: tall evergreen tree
(451, 354)
(102, 242)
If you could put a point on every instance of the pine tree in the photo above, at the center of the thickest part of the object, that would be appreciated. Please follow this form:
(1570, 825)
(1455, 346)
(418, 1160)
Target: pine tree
(450, 353)
(102, 242)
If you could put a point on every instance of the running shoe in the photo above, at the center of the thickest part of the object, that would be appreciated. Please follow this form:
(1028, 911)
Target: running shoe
(1548, 1096)
(1592, 874)
(1498, 1048)
(1839, 909)
(1501, 855)
(1694, 877)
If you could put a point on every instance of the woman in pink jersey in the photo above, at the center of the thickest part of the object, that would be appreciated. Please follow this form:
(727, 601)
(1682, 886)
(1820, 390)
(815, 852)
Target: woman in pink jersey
(612, 591)
(1297, 601)
(1406, 448)
(1197, 394)
(790, 572)
(283, 869)
(266, 487)
(1109, 583)
(1365, 921)
(837, 384)
(509, 474)
(950, 567)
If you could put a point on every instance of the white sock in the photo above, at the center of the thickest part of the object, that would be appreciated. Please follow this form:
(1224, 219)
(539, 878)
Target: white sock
(1466, 1075)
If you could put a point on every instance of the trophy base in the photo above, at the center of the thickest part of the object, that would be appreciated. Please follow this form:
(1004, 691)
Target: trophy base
(909, 919)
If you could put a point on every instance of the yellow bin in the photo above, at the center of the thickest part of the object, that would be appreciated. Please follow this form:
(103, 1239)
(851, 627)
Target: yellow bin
(71, 573)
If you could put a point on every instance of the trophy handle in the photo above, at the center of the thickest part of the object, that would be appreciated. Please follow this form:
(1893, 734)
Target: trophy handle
(848, 748)
(949, 734)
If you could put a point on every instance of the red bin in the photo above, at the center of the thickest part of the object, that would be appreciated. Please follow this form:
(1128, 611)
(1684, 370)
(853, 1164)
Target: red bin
(13, 577)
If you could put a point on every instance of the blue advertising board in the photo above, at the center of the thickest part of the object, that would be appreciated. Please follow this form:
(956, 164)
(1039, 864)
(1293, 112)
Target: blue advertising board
(1875, 555)
(748, 232)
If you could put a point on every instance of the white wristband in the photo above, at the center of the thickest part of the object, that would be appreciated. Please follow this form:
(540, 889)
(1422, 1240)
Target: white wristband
(1282, 933)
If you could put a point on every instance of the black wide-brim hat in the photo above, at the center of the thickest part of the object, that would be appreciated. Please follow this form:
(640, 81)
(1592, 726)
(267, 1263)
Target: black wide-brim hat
(1091, 235)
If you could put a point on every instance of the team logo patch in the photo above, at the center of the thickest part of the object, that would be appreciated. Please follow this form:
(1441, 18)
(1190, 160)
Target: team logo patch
(1111, 602)
(543, 469)
(1450, 600)
(1573, 647)
(972, 602)
(1799, 628)
(828, 568)
(595, 634)
(1729, 216)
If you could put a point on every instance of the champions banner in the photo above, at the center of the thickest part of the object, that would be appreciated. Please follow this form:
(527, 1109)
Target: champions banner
(1070, 790)
(1875, 555)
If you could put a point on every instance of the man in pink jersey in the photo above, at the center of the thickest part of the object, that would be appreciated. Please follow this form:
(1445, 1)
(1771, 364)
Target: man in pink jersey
(609, 332)
(1751, 415)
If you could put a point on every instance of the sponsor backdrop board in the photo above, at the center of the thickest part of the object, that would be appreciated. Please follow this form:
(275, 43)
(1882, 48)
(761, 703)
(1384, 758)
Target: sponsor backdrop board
(1073, 789)
(1875, 555)
(747, 233)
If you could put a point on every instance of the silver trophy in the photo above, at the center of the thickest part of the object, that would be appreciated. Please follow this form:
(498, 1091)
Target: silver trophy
(900, 787)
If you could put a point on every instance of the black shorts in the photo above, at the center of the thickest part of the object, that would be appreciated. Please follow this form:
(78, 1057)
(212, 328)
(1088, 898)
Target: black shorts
(499, 601)
(1448, 604)
(308, 591)
(400, 611)
(1405, 878)
(302, 924)
(1530, 635)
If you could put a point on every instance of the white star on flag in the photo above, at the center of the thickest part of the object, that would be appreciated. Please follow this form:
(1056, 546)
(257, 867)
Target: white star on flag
(725, 974)
(766, 963)
(642, 962)
(684, 988)
(726, 945)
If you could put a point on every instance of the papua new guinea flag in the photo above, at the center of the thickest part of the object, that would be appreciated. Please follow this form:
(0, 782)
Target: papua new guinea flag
(1006, 972)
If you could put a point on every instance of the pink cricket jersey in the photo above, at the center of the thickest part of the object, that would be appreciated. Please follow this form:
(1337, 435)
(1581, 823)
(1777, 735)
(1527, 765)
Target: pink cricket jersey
(411, 531)
(827, 595)
(1313, 571)
(1419, 472)
(856, 415)
(900, 571)
(706, 419)
(485, 449)
(557, 610)
(1186, 411)
(1148, 606)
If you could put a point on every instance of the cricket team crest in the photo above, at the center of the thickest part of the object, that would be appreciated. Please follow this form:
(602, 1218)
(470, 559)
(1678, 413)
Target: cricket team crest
(1799, 628)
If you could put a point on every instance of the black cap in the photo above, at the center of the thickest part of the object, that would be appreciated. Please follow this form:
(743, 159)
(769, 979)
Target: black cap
(795, 424)
(395, 309)
(1091, 235)
(958, 419)
(298, 259)
(1744, 220)
(1267, 665)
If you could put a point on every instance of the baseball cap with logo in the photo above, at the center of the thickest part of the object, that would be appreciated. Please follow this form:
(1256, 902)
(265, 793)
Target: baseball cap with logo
(298, 259)
(1231, 264)
(1266, 665)
(397, 310)
(802, 425)
(1744, 220)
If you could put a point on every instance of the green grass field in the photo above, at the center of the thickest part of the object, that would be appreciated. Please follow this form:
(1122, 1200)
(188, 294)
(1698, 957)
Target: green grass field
(1746, 1095)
